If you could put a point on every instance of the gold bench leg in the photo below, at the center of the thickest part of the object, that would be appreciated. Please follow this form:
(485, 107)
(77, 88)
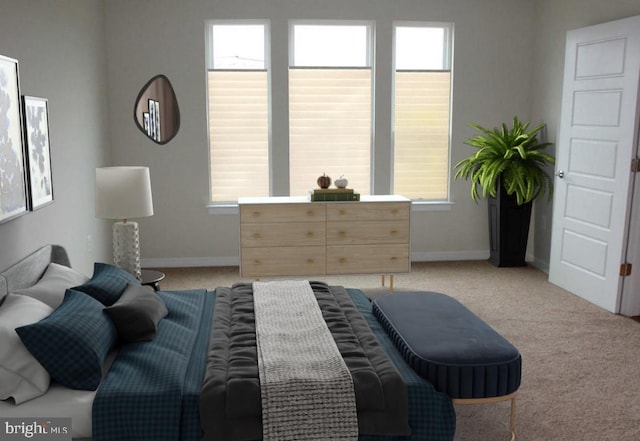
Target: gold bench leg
(512, 417)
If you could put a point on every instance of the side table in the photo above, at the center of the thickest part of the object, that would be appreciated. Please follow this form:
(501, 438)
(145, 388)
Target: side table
(151, 278)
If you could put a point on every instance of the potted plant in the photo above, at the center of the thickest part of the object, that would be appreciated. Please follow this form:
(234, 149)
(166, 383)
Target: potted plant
(508, 169)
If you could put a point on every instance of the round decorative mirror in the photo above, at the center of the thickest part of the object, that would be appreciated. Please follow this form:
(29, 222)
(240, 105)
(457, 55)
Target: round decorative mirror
(156, 111)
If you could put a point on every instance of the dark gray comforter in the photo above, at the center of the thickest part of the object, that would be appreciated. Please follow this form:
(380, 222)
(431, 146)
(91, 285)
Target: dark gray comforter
(230, 404)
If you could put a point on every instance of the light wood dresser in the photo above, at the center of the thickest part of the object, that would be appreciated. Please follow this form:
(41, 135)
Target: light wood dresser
(290, 236)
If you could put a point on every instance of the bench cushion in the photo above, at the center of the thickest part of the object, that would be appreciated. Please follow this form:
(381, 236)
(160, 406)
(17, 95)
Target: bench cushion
(449, 345)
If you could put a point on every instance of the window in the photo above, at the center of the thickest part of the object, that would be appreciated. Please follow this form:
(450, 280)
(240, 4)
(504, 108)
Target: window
(329, 105)
(324, 108)
(238, 102)
(422, 86)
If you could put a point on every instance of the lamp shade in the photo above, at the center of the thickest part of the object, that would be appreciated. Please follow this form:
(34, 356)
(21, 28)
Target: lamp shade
(123, 193)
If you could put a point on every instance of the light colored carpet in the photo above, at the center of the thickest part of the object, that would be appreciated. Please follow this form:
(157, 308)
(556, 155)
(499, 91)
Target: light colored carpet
(581, 364)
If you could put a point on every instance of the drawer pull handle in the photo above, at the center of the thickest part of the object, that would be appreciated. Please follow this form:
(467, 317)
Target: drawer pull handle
(342, 212)
(394, 211)
(257, 262)
(256, 214)
(342, 233)
(342, 260)
(393, 259)
(310, 234)
(257, 235)
(310, 261)
(393, 232)
(310, 213)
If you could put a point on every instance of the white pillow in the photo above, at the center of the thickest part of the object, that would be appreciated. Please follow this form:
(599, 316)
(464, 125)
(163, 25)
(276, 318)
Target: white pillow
(21, 375)
(53, 284)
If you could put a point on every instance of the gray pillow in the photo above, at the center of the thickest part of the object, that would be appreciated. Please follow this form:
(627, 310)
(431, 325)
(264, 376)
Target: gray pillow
(53, 284)
(137, 313)
(21, 375)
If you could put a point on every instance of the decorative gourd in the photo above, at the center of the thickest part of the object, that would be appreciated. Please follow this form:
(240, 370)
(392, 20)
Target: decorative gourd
(342, 182)
(324, 181)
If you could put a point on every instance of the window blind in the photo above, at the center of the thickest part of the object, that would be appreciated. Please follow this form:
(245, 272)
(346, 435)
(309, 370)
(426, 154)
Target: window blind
(421, 134)
(329, 127)
(238, 134)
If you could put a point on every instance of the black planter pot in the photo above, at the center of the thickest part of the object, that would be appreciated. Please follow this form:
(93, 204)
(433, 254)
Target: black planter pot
(508, 230)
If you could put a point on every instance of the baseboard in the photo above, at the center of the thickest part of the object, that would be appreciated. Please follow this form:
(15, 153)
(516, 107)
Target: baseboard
(185, 262)
(542, 265)
(449, 255)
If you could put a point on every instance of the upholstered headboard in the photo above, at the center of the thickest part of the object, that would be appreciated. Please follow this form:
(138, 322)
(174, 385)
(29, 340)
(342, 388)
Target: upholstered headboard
(29, 270)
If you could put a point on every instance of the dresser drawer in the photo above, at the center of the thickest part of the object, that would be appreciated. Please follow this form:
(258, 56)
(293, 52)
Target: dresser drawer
(283, 261)
(353, 259)
(357, 211)
(368, 232)
(261, 213)
(283, 234)
(290, 236)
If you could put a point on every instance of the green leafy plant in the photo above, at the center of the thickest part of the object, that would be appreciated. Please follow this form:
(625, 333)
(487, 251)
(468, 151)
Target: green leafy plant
(512, 156)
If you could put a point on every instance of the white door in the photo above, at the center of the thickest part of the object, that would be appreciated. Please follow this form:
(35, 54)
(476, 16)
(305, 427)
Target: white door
(595, 147)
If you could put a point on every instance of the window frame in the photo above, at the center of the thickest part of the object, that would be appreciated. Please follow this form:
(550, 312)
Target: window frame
(231, 207)
(223, 206)
(370, 65)
(447, 52)
(209, 24)
(370, 38)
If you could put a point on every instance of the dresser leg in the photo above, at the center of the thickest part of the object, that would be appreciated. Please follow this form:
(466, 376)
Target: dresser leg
(390, 282)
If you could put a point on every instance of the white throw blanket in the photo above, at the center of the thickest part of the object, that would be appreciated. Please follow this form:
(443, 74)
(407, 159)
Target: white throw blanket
(307, 390)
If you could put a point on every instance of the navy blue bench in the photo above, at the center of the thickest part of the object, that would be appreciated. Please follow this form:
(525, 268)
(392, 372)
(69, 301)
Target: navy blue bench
(451, 347)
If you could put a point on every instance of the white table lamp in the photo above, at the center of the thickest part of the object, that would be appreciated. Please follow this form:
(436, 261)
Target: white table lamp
(124, 193)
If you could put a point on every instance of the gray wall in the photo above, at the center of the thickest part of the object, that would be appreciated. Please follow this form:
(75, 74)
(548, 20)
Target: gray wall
(60, 47)
(90, 58)
(553, 19)
(492, 82)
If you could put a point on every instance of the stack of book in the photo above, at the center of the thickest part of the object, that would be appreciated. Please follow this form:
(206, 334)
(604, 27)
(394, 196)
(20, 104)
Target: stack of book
(334, 194)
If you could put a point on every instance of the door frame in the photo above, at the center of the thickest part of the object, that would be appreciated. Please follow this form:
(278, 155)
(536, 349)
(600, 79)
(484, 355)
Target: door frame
(629, 298)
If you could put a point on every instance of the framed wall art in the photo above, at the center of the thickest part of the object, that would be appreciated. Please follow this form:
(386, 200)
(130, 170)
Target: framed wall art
(152, 118)
(157, 122)
(13, 188)
(38, 150)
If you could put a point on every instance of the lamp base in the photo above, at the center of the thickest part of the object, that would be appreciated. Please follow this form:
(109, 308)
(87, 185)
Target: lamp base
(126, 247)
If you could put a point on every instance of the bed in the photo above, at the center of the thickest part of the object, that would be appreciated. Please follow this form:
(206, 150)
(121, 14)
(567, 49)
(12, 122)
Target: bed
(189, 372)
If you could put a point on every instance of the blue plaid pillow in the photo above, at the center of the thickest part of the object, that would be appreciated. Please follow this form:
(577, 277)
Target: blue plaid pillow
(107, 283)
(72, 343)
